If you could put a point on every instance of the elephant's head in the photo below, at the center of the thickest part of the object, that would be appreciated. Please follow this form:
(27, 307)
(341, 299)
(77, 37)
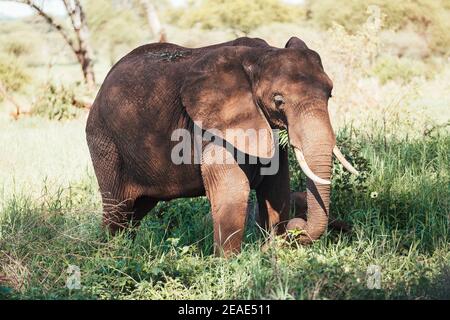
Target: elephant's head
(262, 88)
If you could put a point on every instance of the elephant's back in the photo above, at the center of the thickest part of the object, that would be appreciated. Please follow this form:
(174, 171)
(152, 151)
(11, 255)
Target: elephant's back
(149, 77)
(143, 86)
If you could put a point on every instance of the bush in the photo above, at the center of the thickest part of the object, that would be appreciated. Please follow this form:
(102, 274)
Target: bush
(17, 47)
(110, 24)
(238, 15)
(57, 103)
(12, 73)
(392, 68)
(344, 184)
(427, 16)
(405, 43)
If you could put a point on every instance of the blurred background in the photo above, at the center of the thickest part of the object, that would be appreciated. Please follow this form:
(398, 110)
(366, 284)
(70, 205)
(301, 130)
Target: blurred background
(379, 53)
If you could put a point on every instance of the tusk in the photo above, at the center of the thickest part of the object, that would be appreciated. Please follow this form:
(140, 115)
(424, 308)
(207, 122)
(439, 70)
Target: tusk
(344, 161)
(302, 162)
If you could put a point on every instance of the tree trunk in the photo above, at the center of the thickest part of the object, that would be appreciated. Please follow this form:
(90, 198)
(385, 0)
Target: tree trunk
(81, 46)
(84, 51)
(153, 21)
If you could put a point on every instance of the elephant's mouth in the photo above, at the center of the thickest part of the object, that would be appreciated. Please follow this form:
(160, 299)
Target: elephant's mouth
(311, 175)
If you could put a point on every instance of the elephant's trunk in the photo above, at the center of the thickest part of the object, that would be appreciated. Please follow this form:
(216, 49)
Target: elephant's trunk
(318, 194)
(313, 141)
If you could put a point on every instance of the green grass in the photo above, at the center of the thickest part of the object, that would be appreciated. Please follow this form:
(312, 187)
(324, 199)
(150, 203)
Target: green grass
(404, 229)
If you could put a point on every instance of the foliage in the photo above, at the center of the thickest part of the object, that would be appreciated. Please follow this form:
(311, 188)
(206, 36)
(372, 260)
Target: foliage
(237, 15)
(13, 74)
(402, 69)
(400, 223)
(57, 103)
(426, 16)
(344, 184)
(17, 47)
(115, 27)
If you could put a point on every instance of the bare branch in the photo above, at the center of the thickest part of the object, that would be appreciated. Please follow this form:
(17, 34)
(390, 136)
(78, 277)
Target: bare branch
(80, 46)
(50, 21)
(153, 20)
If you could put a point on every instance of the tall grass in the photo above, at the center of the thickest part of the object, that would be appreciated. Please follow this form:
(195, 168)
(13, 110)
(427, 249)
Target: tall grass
(400, 222)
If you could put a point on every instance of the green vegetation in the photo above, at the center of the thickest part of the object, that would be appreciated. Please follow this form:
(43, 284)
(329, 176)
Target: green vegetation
(57, 103)
(402, 69)
(110, 26)
(428, 17)
(237, 15)
(389, 109)
(400, 223)
(13, 74)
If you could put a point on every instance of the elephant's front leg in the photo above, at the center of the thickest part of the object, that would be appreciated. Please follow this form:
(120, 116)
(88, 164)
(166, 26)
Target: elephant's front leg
(227, 188)
(273, 195)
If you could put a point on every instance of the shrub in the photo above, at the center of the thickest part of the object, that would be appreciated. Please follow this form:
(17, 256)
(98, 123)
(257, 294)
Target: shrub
(238, 15)
(427, 16)
(405, 43)
(393, 68)
(13, 75)
(17, 47)
(110, 24)
(57, 103)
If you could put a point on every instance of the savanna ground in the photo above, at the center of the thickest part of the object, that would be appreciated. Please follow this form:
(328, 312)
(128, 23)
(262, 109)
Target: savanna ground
(390, 109)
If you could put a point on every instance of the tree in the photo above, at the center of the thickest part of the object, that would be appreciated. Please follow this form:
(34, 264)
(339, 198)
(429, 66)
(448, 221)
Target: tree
(77, 40)
(241, 16)
(116, 27)
(153, 20)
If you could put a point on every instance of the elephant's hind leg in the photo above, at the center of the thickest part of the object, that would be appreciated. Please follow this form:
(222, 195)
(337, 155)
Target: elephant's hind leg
(118, 195)
(119, 215)
(141, 207)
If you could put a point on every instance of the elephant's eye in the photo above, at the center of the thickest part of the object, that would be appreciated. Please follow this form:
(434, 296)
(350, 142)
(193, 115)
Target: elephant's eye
(278, 100)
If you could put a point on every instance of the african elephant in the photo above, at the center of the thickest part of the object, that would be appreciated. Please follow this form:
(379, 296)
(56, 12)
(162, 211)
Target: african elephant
(243, 84)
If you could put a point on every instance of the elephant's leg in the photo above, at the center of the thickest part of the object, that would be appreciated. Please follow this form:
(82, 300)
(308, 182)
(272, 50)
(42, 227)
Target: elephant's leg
(118, 215)
(299, 204)
(273, 195)
(106, 160)
(118, 196)
(141, 207)
(227, 188)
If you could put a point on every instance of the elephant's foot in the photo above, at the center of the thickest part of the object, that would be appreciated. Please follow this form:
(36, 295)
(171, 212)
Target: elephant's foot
(126, 215)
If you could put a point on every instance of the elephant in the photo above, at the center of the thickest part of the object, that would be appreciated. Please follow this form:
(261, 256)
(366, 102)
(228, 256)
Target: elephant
(244, 84)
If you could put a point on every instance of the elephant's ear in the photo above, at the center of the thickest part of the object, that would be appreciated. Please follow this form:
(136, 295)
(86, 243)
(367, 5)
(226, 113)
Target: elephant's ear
(296, 43)
(217, 94)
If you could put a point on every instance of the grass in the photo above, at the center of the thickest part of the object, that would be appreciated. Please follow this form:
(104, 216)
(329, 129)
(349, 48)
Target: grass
(404, 230)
